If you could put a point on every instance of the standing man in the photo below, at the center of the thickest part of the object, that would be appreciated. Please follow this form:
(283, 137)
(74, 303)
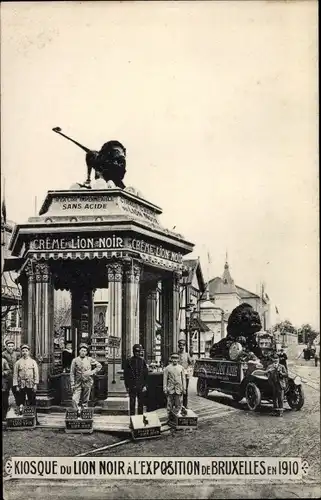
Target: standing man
(283, 358)
(5, 387)
(185, 360)
(317, 354)
(174, 384)
(135, 378)
(12, 356)
(26, 379)
(81, 376)
(277, 378)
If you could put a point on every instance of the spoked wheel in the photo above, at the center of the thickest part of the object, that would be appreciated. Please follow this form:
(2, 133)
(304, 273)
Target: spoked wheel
(202, 387)
(295, 398)
(253, 396)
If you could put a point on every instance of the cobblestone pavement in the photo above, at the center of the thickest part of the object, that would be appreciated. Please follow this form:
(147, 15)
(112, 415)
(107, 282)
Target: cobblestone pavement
(237, 433)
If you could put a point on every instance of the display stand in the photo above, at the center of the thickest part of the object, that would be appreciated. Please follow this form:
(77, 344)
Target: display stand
(180, 421)
(79, 424)
(146, 426)
(27, 420)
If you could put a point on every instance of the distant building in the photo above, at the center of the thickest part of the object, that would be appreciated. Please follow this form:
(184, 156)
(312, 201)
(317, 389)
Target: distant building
(225, 295)
(193, 329)
(10, 292)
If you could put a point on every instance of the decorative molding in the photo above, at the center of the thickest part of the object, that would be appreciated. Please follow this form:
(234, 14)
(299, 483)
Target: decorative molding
(29, 271)
(115, 272)
(42, 272)
(132, 273)
(176, 281)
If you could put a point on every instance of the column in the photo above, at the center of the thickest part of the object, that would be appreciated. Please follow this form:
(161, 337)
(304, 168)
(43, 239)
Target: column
(117, 401)
(43, 338)
(150, 324)
(82, 315)
(29, 305)
(131, 293)
(170, 316)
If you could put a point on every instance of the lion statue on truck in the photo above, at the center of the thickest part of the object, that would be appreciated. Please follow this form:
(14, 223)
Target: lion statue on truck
(242, 326)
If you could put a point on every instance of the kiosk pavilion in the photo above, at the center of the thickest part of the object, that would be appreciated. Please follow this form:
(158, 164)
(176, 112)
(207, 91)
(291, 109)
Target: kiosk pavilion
(85, 239)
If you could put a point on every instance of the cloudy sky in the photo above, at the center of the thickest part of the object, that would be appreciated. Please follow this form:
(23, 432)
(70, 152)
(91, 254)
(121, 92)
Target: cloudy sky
(216, 103)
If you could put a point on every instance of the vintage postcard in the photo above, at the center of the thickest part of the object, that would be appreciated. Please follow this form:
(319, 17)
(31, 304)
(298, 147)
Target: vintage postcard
(159, 250)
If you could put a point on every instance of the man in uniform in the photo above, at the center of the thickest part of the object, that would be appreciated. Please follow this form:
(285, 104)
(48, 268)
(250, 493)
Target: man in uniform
(81, 376)
(174, 384)
(135, 378)
(11, 355)
(26, 379)
(283, 358)
(185, 360)
(5, 388)
(277, 378)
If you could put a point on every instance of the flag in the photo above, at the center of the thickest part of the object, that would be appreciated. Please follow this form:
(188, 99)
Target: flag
(276, 310)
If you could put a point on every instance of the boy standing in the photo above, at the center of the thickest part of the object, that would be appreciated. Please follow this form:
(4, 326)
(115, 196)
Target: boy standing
(174, 384)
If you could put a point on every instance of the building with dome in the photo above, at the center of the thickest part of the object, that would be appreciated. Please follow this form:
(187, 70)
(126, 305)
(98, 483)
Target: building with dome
(223, 295)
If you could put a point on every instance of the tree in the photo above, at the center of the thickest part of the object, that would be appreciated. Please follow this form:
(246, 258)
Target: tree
(306, 334)
(284, 327)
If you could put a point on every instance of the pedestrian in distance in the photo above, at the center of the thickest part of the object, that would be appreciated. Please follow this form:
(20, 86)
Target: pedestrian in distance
(135, 378)
(174, 384)
(185, 360)
(11, 355)
(317, 355)
(82, 371)
(26, 379)
(5, 387)
(277, 377)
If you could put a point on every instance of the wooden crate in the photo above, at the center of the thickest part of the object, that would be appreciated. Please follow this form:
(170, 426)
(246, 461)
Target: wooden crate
(19, 422)
(145, 426)
(179, 421)
(79, 425)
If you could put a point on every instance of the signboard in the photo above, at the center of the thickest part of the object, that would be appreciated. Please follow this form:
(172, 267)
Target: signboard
(21, 422)
(84, 424)
(114, 342)
(145, 426)
(227, 371)
(109, 242)
(179, 421)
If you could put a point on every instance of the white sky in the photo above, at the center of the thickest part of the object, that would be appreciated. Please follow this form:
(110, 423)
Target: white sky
(216, 103)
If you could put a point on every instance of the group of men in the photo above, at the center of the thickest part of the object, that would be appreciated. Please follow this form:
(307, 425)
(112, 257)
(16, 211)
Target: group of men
(20, 374)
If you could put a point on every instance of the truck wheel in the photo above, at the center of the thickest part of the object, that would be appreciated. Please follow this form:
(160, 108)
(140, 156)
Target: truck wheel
(202, 387)
(253, 396)
(295, 398)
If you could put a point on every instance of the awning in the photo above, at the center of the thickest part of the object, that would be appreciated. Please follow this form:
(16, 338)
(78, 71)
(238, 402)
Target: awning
(198, 324)
(12, 264)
